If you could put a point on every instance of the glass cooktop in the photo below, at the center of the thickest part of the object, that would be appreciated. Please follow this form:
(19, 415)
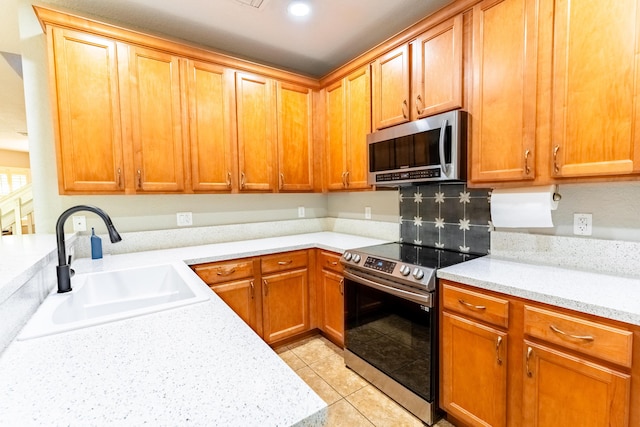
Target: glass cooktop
(424, 256)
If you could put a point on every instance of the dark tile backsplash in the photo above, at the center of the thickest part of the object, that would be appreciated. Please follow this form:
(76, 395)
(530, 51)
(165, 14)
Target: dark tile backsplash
(448, 216)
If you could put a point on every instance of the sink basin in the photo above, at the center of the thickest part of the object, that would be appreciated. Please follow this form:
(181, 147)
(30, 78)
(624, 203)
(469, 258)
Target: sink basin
(104, 297)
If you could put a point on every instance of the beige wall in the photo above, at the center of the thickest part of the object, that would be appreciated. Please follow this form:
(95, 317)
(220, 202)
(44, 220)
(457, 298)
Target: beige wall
(14, 159)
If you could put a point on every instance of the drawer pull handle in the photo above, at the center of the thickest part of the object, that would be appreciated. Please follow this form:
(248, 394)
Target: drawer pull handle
(576, 337)
(266, 287)
(527, 169)
(498, 345)
(556, 168)
(341, 286)
(474, 307)
(285, 262)
(252, 289)
(226, 272)
(334, 263)
(405, 107)
(228, 179)
(529, 354)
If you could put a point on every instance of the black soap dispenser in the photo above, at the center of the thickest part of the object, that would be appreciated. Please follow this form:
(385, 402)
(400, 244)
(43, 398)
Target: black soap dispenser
(96, 245)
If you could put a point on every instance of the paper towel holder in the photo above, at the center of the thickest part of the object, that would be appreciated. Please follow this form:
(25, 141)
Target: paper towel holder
(557, 196)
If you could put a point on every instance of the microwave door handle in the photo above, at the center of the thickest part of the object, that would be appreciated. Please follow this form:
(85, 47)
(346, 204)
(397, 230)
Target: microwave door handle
(443, 161)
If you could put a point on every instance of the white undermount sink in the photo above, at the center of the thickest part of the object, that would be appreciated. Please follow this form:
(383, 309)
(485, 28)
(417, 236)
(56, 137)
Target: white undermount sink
(103, 297)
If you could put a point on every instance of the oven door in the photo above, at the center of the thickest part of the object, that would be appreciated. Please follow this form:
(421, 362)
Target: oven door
(394, 334)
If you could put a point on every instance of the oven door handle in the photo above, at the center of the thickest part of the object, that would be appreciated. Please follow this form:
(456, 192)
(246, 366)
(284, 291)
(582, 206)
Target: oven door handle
(420, 299)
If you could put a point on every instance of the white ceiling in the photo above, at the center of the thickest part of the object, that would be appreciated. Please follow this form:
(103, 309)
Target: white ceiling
(337, 31)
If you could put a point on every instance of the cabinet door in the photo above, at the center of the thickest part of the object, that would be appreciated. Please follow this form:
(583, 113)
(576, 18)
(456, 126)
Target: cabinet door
(156, 120)
(332, 305)
(240, 296)
(437, 69)
(256, 121)
(563, 390)
(474, 372)
(285, 304)
(505, 36)
(210, 104)
(295, 138)
(596, 88)
(391, 76)
(358, 120)
(89, 134)
(335, 156)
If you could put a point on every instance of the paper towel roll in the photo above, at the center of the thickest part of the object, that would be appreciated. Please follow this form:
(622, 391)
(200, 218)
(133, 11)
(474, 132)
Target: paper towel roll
(526, 207)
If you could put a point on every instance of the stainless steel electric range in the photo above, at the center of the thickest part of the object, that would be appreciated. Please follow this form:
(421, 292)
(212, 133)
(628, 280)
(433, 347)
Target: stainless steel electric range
(391, 320)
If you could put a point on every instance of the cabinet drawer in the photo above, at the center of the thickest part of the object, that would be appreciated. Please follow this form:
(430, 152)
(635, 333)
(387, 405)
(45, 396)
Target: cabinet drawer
(331, 261)
(592, 338)
(472, 304)
(282, 262)
(224, 271)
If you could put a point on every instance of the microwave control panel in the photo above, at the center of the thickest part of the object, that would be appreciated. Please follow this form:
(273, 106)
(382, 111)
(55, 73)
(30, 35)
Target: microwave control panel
(409, 175)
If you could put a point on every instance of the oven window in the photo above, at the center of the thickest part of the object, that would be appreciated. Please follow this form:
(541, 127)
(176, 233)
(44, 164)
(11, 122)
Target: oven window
(392, 334)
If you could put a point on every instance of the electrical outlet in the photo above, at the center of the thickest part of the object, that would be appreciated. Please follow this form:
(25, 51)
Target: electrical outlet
(79, 222)
(184, 219)
(582, 224)
(367, 212)
(301, 212)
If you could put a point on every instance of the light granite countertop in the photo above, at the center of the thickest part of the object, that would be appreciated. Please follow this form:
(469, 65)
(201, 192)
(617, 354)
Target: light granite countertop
(605, 295)
(199, 364)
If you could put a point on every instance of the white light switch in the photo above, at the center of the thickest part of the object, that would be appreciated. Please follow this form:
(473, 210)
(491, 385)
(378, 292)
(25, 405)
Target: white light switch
(79, 222)
(184, 219)
(301, 212)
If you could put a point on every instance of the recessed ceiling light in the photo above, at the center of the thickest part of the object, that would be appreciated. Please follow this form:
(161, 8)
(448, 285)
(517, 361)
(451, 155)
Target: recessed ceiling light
(299, 8)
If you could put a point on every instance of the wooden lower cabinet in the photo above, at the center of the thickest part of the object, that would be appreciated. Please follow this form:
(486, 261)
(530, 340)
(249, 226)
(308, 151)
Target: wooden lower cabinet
(474, 371)
(241, 297)
(270, 293)
(564, 369)
(285, 306)
(331, 296)
(564, 390)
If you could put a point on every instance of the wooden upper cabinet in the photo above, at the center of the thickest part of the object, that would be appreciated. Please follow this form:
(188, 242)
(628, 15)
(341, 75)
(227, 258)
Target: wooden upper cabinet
(257, 132)
(156, 120)
(391, 75)
(437, 69)
(87, 114)
(358, 125)
(335, 145)
(210, 95)
(505, 36)
(295, 137)
(596, 81)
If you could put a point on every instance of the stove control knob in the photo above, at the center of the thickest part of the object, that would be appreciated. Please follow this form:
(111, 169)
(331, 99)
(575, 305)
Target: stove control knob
(404, 270)
(356, 258)
(347, 256)
(418, 274)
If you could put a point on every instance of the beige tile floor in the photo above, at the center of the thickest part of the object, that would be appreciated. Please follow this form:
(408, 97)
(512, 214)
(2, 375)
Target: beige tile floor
(353, 402)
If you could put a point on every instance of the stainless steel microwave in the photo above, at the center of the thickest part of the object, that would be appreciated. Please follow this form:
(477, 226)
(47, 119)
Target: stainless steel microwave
(429, 149)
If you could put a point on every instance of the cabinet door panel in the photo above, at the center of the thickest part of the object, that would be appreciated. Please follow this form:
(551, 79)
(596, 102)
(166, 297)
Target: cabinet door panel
(437, 65)
(335, 160)
(473, 361)
(210, 104)
(295, 137)
(256, 121)
(504, 92)
(596, 72)
(240, 296)
(391, 75)
(156, 120)
(551, 380)
(358, 118)
(285, 304)
(89, 133)
(332, 305)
